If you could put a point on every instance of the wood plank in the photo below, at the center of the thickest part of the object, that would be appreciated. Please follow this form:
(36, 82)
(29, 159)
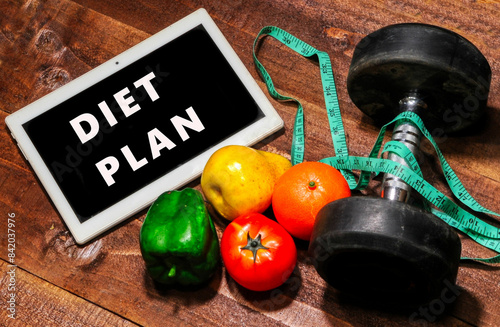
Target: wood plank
(46, 44)
(30, 301)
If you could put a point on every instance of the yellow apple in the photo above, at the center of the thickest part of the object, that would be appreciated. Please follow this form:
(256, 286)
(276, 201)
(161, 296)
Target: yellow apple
(237, 179)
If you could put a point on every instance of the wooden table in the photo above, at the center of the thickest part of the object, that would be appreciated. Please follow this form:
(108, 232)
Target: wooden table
(45, 44)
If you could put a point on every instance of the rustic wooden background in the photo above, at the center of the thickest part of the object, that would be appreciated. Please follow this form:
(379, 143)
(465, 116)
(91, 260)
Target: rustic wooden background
(45, 44)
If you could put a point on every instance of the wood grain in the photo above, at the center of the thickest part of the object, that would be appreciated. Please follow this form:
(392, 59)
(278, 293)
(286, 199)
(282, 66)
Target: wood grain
(39, 303)
(45, 44)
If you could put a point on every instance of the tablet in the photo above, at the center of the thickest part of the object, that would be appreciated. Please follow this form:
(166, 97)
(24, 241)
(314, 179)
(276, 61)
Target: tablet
(108, 143)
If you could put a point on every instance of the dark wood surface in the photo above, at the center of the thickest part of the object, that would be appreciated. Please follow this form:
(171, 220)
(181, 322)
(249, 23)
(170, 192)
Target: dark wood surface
(45, 44)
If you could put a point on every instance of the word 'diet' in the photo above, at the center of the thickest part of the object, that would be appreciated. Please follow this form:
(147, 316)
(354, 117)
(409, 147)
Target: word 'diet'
(123, 101)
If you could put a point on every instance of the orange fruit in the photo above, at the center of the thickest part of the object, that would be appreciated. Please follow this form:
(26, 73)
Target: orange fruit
(302, 191)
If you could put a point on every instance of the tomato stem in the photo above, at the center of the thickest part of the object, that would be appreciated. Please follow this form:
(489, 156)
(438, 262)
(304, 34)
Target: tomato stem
(254, 244)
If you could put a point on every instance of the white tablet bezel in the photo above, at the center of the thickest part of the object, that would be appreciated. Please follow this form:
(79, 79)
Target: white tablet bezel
(117, 213)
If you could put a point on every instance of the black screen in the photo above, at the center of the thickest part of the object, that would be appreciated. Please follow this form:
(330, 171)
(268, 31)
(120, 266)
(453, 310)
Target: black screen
(191, 80)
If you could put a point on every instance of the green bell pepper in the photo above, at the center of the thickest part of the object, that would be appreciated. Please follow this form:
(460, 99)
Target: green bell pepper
(178, 240)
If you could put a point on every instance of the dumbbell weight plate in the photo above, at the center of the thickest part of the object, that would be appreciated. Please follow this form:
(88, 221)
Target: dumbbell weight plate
(383, 251)
(448, 71)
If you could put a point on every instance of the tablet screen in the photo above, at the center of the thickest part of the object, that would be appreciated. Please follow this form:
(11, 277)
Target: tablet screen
(142, 122)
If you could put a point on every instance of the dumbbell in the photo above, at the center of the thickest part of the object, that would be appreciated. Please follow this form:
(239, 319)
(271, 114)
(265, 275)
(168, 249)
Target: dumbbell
(385, 250)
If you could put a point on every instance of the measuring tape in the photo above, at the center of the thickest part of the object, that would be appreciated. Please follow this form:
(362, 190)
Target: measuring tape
(447, 210)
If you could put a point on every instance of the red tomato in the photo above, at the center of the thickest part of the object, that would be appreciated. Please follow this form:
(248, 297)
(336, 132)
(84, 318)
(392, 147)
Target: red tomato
(258, 253)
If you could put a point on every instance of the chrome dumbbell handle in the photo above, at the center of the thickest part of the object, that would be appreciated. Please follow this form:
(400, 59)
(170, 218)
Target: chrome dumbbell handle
(393, 187)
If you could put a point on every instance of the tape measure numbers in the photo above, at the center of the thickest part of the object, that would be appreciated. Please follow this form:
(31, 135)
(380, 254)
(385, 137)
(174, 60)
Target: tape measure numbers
(447, 210)
(329, 90)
